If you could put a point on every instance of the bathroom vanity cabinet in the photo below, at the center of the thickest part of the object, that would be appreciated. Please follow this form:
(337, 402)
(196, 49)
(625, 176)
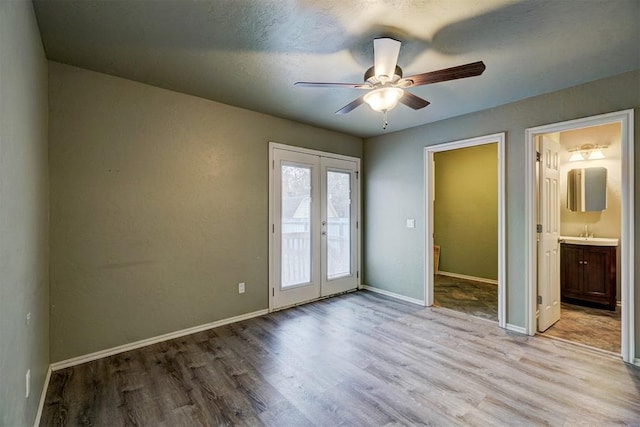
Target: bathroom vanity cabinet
(588, 275)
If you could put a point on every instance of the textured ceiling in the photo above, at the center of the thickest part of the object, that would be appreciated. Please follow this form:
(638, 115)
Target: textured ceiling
(248, 53)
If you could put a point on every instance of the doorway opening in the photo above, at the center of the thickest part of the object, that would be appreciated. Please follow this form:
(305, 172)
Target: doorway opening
(314, 211)
(580, 251)
(465, 227)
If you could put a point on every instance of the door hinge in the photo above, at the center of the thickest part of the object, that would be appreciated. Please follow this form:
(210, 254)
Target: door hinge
(273, 292)
(357, 175)
(538, 228)
(539, 299)
(357, 274)
(537, 156)
(273, 228)
(273, 164)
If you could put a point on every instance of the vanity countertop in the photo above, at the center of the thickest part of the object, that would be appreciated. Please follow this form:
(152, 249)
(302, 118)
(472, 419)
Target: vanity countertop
(591, 241)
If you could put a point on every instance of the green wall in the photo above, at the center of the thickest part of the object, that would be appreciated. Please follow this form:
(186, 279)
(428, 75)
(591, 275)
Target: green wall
(159, 207)
(394, 184)
(466, 210)
(24, 232)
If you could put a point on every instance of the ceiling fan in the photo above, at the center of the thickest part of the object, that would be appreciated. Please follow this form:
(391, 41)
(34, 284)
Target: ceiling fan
(386, 86)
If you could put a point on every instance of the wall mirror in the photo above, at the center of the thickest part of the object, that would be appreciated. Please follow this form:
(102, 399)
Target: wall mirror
(587, 189)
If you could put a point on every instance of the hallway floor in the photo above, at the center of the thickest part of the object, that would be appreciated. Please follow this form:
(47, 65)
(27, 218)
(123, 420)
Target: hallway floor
(594, 327)
(475, 298)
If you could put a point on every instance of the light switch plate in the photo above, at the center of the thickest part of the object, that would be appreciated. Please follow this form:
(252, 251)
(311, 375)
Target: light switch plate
(411, 223)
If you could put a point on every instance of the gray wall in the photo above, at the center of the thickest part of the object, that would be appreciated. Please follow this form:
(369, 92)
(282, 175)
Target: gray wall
(394, 190)
(159, 207)
(24, 280)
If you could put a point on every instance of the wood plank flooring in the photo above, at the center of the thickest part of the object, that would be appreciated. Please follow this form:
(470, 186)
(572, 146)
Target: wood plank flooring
(358, 359)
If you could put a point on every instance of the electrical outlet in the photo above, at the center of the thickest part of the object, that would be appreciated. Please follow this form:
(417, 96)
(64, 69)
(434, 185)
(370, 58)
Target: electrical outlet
(27, 381)
(241, 288)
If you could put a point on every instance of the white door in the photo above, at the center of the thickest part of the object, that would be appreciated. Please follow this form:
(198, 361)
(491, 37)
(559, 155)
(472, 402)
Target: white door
(548, 245)
(339, 226)
(296, 227)
(314, 235)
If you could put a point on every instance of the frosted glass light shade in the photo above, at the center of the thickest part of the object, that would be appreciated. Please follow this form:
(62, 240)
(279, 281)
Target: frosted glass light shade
(576, 156)
(596, 154)
(383, 99)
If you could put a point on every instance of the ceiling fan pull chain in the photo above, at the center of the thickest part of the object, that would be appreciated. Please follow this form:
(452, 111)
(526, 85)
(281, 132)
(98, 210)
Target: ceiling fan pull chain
(384, 119)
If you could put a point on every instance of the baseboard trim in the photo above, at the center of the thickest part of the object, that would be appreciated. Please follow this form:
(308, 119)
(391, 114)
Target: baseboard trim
(154, 340)
(43, 395)
(464, 276)
(636, 362)
(394, 295)
(298, 304)
(515, 328)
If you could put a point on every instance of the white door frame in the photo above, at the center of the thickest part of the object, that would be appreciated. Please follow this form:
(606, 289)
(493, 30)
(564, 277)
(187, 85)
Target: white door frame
(429, 182)
(273, 146)
(625, 119)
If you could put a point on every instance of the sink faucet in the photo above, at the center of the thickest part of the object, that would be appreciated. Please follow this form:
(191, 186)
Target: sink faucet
(586, 232)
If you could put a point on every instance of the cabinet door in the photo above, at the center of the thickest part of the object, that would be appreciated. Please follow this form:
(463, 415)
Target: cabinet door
(595, 264)
(571, 270)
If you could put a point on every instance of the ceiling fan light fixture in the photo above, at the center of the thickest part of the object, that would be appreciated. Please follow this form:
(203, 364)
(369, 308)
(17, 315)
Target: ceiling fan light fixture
(384, 98)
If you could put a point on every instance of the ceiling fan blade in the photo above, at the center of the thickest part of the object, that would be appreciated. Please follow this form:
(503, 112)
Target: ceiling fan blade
(453, 73)
(415, 102)
(385, 56)
(351, 106)
(342, 85)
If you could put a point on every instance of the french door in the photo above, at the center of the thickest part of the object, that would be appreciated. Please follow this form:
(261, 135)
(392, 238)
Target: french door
(314, 238)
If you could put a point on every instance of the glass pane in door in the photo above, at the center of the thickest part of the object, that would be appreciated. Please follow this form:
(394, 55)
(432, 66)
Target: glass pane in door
(296, 225)
(338, 226)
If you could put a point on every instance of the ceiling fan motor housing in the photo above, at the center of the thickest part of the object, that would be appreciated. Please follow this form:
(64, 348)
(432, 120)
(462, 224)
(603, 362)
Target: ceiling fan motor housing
(370, 75)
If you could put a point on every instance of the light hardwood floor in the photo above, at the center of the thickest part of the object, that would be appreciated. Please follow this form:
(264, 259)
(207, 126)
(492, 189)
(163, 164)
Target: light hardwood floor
(357, 359)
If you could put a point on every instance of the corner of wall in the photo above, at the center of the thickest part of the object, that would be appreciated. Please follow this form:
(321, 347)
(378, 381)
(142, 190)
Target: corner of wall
(24, 188)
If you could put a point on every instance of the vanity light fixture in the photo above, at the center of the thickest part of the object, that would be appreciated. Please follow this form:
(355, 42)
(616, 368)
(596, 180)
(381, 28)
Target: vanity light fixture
(587, 152)
(576, 156)
(596, 154)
